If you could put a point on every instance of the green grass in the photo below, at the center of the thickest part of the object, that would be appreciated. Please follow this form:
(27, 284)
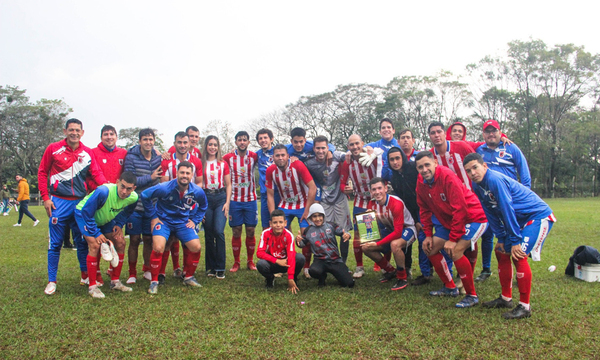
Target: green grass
(238, 318)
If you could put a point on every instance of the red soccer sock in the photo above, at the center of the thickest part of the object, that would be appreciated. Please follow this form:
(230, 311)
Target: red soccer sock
(441, 268)
(250, 246)
(472, 256)
(146, 268)
(163, 264)
(175, 255)
(463, 266)
(155, 262)
(84, 274)
(192, 264)
(385, 265)
(388, 256)
(307, 256)
(116, 272)
(132, 269)
(401, 274)
(92, 265)
(505, 274)
(523, 279)
(236, 244)
(358, 254)
(186, 258)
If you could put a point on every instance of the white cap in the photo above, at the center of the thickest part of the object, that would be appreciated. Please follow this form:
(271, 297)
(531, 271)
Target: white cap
(316, 209)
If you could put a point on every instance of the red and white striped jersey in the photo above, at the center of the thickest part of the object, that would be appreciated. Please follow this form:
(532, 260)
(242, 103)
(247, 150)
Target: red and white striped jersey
(360, 176)
(169, 167)
(453, 159)
(242, 175)
(195, 151)
(213, 174)
(291, 184)
(394, 216)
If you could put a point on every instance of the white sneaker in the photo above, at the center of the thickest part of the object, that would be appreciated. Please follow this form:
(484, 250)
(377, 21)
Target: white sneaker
(17, 225)
(359, 272)
(105, 251)
(50, 288)
(131, 280)
(96, 293)
(85, 281)
(306, 274)
(148, 275)
(5, 214)
(36, 222)
(115, 256)
(118, 285)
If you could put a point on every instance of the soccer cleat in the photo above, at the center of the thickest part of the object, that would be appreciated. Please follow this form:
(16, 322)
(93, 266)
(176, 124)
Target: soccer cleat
(115, 256)
(148, 275)
(118, 285)
(177, 272)
(387, 276)
(421, 280)
(35, 223)
(468, 301)
(498, 303)
(251, 265)
(306, 273)
(17, 225)
(191, 282)
(235, 267)
(96, 293)
(211, 273)
(131, 280)
(220, 274)
(485, 274)
(376, 268)
(445, 292)
(83, 281)
(270, 283)
(153, 289)
(400, 284)
(161, 279)
(359, 272)
(5, 214)
(518, 312)
(105, 252)
(321, 282)
(50, 288)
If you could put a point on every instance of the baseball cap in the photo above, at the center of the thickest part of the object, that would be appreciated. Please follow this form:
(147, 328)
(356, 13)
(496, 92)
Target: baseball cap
(491, 122)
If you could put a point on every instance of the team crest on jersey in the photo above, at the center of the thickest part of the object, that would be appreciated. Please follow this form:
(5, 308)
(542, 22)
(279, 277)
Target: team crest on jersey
(502, 153)
(328, 231)
(492, 197)
(313, 234)
(451, 160)
(54, 221)
(288, 173)
(104, 161)
(326, 172)
(217, 167)
(247, 161)
(443, 196)
(130, 225)
(120, 161)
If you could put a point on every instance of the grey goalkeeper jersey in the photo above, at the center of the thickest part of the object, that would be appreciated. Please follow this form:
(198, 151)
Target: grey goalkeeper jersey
(328, 177)
(323, 243)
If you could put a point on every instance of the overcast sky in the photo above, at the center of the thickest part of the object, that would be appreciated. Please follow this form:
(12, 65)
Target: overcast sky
(172, 64)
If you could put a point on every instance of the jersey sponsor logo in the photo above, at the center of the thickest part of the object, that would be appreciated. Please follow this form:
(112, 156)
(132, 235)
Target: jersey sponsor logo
(242, 185)
(213, 186)
(363, 176)
(242, 169)
(286, 183)
(326, 172)
(443, 196)
(292, 199)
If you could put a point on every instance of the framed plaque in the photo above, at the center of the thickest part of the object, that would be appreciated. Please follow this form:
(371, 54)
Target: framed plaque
(367, 226)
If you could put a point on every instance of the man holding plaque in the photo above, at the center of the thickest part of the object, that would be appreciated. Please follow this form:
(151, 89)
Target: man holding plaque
(397, 229)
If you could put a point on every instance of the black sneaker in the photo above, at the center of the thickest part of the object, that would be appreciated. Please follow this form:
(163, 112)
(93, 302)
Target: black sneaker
(321, 282)
(498, 303)
(387, 276)
(220, 275)
(211, 273)
(161, 279)
(485, 274)
(270, 283)
(421, 280)
(400, 284)
(517, 313)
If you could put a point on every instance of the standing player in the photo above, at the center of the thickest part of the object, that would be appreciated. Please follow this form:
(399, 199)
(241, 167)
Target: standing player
(144, 162)
(277, 252)
(173, 214)
(109, 156)
(301, 148)
(296, 188)
(407, 144)
(461, 222)
(264, 138)
(65, 165)
(521, 222)
(101, 216)
(326, 172)
(397, 231)
(360, 176)
(193, 142)
(169, 168)
(23, 199)
(243, 209)
(5, 197)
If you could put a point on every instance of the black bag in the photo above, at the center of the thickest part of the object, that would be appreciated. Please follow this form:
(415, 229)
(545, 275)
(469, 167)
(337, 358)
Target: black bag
(583, 255)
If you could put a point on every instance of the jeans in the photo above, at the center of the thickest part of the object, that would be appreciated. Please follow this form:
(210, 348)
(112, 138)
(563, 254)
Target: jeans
(24, 209)
(5, 205)
(214, 231)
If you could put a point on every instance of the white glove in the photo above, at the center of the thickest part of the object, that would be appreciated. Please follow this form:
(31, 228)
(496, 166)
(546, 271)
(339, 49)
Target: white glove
(366, 159)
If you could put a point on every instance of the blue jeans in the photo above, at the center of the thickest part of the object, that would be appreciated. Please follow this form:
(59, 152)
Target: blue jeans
(214, 231)
(5, 205)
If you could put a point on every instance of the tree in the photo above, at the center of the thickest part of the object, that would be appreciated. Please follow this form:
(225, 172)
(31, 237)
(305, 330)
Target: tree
(224, 131)
(130, 138)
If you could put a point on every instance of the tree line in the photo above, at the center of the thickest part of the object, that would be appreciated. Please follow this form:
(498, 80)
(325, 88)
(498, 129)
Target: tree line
(544, 97)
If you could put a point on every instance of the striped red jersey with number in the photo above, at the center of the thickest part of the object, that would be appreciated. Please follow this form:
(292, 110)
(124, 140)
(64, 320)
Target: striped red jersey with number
(169, 167)
(453, 159)
(241, 168)
(214, 171)
(291, 184)
(360, 176)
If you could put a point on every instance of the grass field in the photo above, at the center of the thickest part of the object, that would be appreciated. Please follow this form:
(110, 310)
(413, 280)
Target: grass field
(238, 318)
